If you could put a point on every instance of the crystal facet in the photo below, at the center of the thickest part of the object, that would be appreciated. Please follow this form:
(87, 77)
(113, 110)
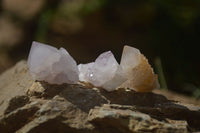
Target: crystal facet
(138, 71)
(47, 63)
(104, 72)
(85, 71)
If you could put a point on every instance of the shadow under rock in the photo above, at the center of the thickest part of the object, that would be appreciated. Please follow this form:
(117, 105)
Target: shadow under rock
(130, 97)
(157, 106)
(82, 97)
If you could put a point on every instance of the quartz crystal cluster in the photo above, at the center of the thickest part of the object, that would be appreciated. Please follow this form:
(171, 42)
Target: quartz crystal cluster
(104, 72)
(47, 63)
(56, 66)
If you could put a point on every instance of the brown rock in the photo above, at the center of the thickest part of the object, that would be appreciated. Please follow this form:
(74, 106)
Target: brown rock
(28, 106)
(129, 120)
(13, 84)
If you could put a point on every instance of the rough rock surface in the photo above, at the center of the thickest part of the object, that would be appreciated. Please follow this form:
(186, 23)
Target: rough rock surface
(27, 106)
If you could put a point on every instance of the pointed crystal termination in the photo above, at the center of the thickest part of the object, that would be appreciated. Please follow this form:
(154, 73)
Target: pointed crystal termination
(47, 63)
(104, 72)
(138, 71)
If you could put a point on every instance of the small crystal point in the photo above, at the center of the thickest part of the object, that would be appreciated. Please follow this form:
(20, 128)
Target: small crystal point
(138, 71)
(117, 80)
(47, 63)
(105, 67)
(102, 72)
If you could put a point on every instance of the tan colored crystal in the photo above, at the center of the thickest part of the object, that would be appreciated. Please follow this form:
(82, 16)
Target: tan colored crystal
(141, 77)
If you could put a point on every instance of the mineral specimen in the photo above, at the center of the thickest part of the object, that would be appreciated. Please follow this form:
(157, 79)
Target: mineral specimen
(139, 74)
(47, 63)
(104, 72)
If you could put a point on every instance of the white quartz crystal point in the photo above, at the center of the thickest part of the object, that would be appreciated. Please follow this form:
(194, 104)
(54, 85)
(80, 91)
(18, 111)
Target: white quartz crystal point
(117, 80)
(105, 67)
(102, 72)
(138, 71)
(47, 63)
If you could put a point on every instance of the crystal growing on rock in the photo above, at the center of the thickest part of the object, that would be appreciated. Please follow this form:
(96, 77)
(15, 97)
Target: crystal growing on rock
(104, 72)
(47, 63)
(139, 74)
